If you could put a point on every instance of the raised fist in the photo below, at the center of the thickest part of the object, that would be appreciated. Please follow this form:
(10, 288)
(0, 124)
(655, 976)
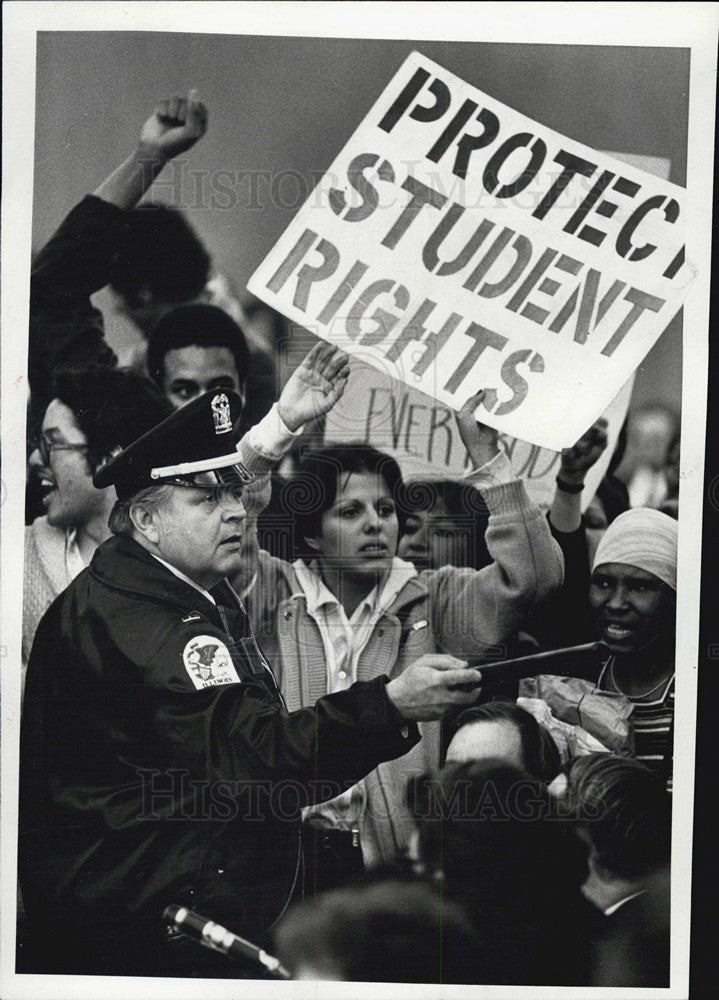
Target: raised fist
(578, 460)
(174, 126)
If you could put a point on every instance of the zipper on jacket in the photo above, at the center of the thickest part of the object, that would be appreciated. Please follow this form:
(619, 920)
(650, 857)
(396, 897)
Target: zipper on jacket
(253, 638)
(299, 873)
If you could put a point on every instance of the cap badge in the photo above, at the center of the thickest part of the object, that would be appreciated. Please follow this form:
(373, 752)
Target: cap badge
(221, 413)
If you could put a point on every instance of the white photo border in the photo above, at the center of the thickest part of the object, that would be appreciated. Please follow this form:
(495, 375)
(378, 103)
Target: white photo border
(674, 25)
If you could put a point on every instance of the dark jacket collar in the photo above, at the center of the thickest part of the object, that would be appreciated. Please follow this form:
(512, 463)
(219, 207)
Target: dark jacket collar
(124, 565)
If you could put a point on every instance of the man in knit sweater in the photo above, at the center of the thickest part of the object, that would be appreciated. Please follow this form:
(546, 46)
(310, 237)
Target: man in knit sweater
(95, 411)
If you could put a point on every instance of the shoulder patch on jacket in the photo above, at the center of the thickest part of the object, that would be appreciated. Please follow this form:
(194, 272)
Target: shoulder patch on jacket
(208, 662)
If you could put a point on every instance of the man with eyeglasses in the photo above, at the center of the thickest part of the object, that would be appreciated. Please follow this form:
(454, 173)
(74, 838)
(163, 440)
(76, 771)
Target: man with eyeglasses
(95, 411)
(158, 762)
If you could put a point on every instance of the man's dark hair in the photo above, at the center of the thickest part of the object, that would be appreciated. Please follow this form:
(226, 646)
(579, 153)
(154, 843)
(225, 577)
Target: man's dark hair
(495, 837)
(464, 506)
(112, 406)
(625, 810)
(312, 490)
(540, 756)
(160, 251)
(475, 815)
(394, 931)
(195, 325)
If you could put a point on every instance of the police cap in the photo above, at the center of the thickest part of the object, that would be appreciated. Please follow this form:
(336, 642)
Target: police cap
(196, 440)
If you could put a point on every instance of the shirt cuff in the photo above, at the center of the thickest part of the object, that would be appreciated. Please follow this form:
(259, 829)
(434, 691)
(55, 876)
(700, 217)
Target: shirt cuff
(271, 437)
(405, 727)
(497, 472)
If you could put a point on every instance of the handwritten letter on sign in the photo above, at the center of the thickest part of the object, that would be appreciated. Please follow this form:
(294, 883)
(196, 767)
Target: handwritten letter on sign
(462, 246)
(422, 436)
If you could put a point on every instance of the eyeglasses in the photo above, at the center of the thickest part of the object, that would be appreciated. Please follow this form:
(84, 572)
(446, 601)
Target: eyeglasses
(45, 448)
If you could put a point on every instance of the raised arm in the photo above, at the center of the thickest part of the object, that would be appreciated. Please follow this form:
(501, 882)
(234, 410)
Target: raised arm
(478, 609)
(565, 619)
(75, 261)
(174, 127)
(64, 326)
(311, 391)
(565, 514)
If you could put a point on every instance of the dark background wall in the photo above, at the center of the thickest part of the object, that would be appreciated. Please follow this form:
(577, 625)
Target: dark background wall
(281, 109)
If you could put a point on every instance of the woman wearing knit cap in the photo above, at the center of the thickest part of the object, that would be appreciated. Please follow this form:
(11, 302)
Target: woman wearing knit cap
(633, 599)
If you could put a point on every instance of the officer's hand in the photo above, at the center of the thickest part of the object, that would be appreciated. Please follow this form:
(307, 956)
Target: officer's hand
(174, 126)
(432, 685)
(314, 387)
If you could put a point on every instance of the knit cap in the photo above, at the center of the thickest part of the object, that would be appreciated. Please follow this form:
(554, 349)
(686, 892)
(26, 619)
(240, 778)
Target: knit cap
(644, 538)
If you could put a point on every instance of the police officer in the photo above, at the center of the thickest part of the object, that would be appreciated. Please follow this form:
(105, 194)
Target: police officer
(158, 762)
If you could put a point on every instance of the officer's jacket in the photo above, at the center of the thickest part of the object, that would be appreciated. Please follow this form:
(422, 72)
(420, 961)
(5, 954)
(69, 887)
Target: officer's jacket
(158, 762)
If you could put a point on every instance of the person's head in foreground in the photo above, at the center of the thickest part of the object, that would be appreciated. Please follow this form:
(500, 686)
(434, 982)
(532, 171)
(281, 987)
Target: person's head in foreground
(179, 490)
(94, 412)
(197, 348)
(634, 581)
(350, 518)
(623, 813)
(385, 932)
(493, 838)
(160, 263)
(501, 730)
(445, 525)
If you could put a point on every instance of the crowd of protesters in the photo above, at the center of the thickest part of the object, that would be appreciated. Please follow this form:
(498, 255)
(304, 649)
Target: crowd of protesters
(491, 851)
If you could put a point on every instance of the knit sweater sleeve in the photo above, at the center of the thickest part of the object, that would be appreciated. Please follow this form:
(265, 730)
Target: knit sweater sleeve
(474, 610)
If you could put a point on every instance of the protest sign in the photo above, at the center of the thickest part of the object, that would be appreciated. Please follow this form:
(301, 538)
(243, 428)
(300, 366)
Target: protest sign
(421, 434)
(462, 245)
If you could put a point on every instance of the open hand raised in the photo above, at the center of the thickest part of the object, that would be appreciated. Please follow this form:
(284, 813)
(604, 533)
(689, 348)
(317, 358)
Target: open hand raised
(314, 387)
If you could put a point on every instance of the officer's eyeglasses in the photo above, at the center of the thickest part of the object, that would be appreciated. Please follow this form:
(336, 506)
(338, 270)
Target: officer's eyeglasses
(45, 448)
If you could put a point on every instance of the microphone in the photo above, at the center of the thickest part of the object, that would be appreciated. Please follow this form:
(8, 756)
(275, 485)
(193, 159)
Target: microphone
(218, 938)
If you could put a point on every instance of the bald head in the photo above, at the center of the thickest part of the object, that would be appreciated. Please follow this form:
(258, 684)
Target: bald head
(485, 739)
